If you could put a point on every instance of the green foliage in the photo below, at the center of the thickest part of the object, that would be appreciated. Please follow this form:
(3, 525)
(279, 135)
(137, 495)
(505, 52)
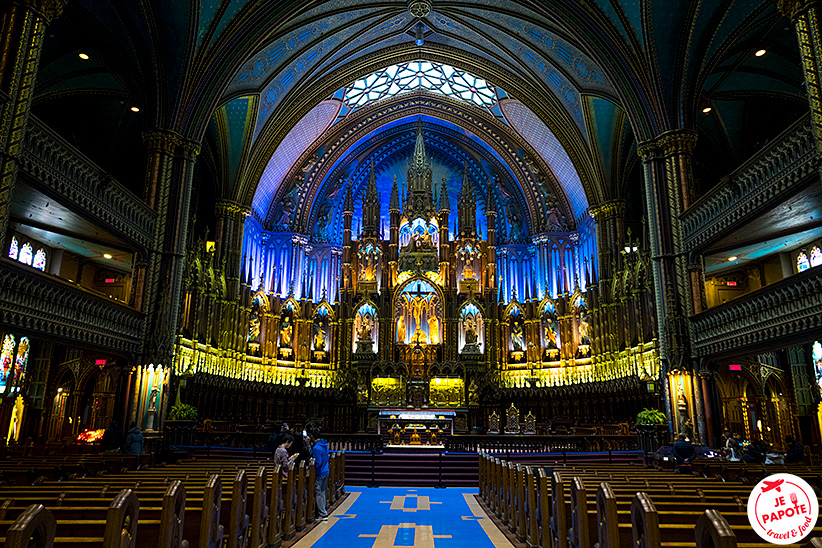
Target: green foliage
(182, 412)
(651, 417)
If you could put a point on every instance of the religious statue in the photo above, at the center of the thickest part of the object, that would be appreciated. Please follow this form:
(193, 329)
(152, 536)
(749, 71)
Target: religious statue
(514, 222)
(471, 338)
(584, 335)
(368, 271)
(433, 329)
(285, 333)
(517, 338)
(415, 438)
(319, 338)
(468, 272)
(551, 334)
(682, 406)
(401, 330)
(364, 333)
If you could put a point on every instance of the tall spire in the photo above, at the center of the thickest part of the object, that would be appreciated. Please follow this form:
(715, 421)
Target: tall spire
(371, 206)
(444, 203)
(420, 160)
(394, 203)
(467, 212)
(348, 201)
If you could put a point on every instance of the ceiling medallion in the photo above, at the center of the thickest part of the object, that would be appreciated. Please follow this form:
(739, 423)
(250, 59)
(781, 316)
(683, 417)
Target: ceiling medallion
(419, 8)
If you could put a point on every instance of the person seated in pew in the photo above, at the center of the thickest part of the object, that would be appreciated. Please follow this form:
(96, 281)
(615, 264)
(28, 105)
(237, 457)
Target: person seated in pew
(281, 455)
(134, 440)
(733, 450)
(796, 451)
(756, 451)
(684, 453)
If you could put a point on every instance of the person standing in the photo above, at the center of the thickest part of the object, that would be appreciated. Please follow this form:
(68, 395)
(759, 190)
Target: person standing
(134, 440)
(320, 454)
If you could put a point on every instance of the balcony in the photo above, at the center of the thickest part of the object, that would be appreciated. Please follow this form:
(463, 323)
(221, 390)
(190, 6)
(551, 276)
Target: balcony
(786, 312)
(58, 168)
(774, 174)
(46, 306)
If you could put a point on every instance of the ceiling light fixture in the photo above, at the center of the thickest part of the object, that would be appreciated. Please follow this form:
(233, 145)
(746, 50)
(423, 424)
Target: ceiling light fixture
(420, 39)
(732, 259)
(706, 110)
(135, 109)
(107, 255)
(83, 55)
(760, 52)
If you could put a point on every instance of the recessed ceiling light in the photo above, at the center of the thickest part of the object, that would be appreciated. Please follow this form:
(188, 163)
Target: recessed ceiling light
(760, 52)
(83, 55)
(107, 255)
(135, 109)
(732, 259)
(706, 110)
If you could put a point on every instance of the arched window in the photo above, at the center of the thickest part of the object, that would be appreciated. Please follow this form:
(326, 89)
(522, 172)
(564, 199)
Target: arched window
(816, 256)
(21, 361)
(25, 254)
(14, 248)
(802, 262)
(6, 360)
(39, 260)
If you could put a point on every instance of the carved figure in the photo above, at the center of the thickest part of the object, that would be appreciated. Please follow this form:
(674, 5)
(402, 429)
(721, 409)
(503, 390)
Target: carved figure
(319, 339)
(286, 332)
(433, 329)
(517, 338)
(401, 330)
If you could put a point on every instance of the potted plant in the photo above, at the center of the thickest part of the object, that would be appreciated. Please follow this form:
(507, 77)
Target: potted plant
(651, 429)
(180, 424)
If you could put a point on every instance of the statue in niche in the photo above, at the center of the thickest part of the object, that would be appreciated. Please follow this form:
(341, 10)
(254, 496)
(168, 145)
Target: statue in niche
(288, 208)
(551, 341)
(517, 337)
(401, 330)
(368, 271)
(468, 272)
(364, 333)
(584, 328)
(323, 219)
(433, 328)
(514, 222)
(554, 219)
(286, 332)
(471, 336)
(319, 338)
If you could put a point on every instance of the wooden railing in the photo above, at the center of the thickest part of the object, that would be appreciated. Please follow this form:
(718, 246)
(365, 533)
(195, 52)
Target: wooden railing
(512, 444)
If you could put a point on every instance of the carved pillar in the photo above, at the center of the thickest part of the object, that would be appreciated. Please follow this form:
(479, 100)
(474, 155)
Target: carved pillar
(696, 279)
(807, 18)
(608, 217)
(168, 190)
(228, 246)
(22, 30)
(667, 172)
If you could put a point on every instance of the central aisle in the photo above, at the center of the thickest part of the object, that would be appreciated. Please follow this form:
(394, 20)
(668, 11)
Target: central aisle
(407, 518)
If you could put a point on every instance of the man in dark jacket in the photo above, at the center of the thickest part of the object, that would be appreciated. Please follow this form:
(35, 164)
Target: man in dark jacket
(112, 438)
(320, 455)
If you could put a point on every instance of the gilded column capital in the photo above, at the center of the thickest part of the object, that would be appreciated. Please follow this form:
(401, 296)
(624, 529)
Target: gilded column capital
(49, 10)
(189, 148)
(161, 140)
(228, 208)
(792, 8)
(675, 141)
(608, 210)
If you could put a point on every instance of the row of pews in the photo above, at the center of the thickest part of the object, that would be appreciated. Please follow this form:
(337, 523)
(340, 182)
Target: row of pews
(183, 505)
(548, 506)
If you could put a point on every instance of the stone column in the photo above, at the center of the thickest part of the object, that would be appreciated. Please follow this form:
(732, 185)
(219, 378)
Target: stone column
(22, 30)
(807, 18)
(229, 241)
(169, 173)
(667, 172)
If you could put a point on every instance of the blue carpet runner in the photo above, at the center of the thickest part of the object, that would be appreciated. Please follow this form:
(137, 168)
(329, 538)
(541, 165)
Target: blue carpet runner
(390, 517)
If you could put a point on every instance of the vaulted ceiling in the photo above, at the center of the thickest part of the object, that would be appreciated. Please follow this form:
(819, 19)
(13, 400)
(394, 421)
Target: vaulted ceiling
(593, 77)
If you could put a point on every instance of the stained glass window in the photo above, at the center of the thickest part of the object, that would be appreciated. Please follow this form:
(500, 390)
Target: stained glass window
(39, 260)
(6, 357)
(420, 75)
(25, 254)
(14, 248)
(817, 363)
(802, 262)
(21, 361)
(816, 256)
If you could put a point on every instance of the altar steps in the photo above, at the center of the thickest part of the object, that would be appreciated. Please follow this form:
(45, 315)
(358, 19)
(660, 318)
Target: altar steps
(407, 469)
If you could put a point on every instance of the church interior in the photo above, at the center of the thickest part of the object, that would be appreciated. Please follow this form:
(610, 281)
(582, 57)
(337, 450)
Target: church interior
(486, 227)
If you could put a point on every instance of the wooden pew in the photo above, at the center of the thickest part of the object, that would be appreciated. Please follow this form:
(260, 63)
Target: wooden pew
(34, 529)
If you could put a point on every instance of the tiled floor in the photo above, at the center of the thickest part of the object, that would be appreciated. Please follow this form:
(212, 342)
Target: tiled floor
(410, 518)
